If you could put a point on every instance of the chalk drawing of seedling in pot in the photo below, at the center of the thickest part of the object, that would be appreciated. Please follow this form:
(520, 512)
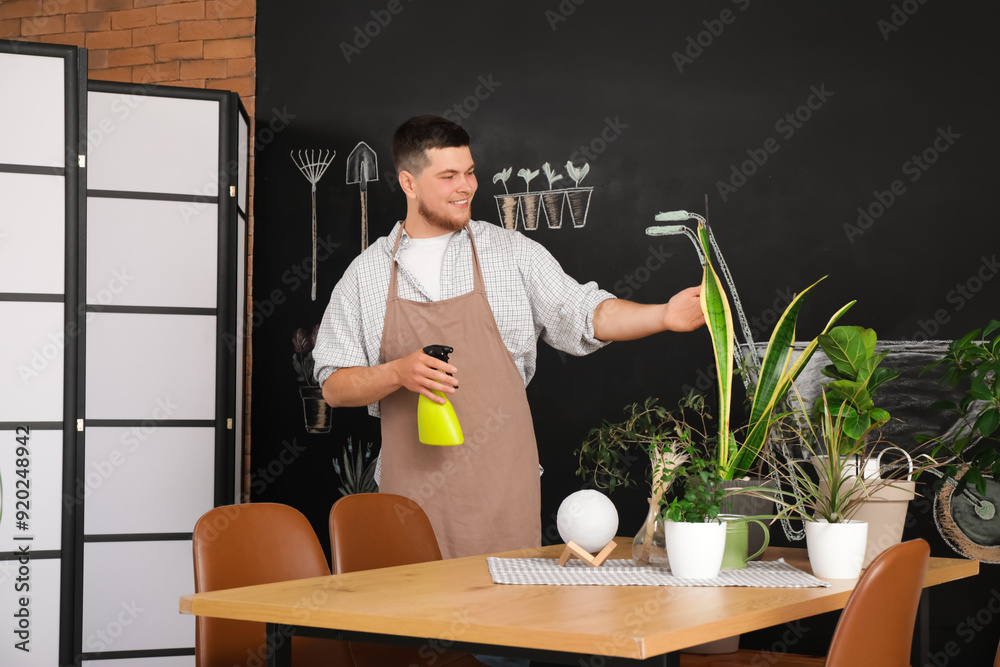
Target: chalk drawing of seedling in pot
(506, 203)
(578, 198)
(552, 201)
(528, 201)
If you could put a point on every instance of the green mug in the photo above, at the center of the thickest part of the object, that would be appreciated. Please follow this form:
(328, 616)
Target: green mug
(737, 535)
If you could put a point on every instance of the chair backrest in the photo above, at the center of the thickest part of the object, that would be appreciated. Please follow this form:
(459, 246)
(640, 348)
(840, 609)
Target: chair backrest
(245, 545)
(373, 530)
(876, 626)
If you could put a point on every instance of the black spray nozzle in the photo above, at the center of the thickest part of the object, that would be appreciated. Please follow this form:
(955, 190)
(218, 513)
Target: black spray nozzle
(439, 351)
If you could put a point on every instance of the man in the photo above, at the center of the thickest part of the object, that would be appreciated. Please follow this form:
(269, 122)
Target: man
(489, 293)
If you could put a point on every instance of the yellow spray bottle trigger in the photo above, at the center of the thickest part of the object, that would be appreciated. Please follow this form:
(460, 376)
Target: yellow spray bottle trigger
(437, 424)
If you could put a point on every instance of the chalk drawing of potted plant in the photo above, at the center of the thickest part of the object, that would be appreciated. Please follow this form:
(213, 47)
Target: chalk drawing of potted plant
(528, 202)
(552, 201)
(578, 198)
(506, 203)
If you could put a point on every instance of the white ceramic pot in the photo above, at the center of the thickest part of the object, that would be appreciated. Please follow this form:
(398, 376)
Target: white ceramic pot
(836, 550)
(695, 549)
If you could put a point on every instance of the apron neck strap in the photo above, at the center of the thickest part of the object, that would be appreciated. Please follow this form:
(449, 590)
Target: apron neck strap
(479, 285)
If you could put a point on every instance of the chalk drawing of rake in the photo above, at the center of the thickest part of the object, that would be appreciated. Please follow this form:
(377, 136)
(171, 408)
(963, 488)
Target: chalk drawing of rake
(312, 164)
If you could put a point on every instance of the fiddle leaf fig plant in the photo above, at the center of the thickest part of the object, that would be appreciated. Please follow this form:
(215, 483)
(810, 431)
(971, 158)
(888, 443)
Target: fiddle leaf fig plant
(856, 375)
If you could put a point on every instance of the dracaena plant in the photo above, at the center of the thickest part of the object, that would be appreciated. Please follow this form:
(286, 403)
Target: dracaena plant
(776, 373)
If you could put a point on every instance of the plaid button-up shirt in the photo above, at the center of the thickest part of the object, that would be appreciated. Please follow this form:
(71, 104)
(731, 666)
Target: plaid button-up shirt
(527, 290)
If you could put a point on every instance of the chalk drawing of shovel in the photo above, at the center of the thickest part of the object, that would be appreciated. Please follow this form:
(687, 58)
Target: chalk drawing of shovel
(362, 166)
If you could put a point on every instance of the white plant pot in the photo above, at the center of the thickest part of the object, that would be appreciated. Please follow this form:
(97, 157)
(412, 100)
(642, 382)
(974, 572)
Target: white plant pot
(695, 549)
(836, 550)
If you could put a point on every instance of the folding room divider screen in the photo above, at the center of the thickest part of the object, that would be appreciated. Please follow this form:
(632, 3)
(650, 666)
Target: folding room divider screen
(122, 236)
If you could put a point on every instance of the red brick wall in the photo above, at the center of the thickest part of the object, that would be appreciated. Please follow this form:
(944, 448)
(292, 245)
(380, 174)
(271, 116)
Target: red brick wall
(190, 43)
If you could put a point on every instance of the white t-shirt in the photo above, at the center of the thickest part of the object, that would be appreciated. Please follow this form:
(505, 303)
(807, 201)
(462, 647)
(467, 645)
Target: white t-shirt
(423, 259)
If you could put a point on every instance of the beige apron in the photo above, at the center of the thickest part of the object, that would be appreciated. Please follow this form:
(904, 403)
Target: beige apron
(482, 496)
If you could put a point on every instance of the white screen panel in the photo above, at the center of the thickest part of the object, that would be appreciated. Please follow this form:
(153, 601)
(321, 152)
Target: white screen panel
(152, 367)
(32, 134)
(131, 592)
(243, 155)
(148, 479)
(141, 143)
(32, 233)
(173, 661)
(32, 341)
(152, 253)
(38, 492)
(43, 608)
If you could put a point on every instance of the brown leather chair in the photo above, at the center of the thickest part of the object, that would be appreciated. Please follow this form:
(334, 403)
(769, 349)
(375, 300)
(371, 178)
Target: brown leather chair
(375, 530)
(248, 544)
(876, 626)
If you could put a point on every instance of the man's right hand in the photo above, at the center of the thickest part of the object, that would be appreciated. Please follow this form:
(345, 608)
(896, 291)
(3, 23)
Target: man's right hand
(418, 372)
(423, 374)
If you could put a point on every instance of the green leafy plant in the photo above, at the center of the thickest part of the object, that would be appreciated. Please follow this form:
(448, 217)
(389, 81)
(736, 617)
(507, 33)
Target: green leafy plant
(550, 174)
(357, 472)
(777, 371)
(502, 176)
(577, 174)
(828, 480)
(702, 487)
(528, 175)
(972, 362)
(856, 375)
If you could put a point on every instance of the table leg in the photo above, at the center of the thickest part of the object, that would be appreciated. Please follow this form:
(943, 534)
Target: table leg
(279, 645)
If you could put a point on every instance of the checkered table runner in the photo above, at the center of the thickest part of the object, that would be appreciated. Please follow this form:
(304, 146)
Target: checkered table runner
(546, 571)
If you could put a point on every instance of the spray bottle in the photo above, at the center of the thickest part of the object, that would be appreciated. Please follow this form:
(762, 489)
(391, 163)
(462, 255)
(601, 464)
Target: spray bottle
(437, 424)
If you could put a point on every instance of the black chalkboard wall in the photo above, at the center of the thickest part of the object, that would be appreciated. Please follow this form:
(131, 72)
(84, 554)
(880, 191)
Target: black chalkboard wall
(853, 139)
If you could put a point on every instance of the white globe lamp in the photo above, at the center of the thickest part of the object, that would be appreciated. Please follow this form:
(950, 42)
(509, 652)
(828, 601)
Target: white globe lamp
(588, 518)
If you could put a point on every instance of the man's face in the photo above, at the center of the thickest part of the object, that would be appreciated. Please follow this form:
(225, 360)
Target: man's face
(445, 188)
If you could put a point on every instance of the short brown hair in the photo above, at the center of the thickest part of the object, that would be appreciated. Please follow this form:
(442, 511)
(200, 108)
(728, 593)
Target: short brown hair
(415, 137)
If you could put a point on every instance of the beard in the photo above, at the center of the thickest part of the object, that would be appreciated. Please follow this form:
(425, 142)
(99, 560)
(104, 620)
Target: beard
(453, 224)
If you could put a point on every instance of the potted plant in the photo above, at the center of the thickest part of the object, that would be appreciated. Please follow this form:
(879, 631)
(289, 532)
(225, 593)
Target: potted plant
(528, 202)
(856, 375)
(606, 454)
(695, 537)
(506, 203)
(317, 412)
(552, 201)
(826, 485)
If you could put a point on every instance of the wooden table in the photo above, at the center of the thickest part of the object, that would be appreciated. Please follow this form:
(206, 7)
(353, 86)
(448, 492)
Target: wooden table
(453, 605)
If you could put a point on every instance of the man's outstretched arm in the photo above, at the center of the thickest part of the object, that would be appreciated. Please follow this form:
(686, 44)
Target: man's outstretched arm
(618, 319)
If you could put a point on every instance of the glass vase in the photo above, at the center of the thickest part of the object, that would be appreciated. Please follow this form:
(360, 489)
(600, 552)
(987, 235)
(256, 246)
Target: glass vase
(650, 546)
